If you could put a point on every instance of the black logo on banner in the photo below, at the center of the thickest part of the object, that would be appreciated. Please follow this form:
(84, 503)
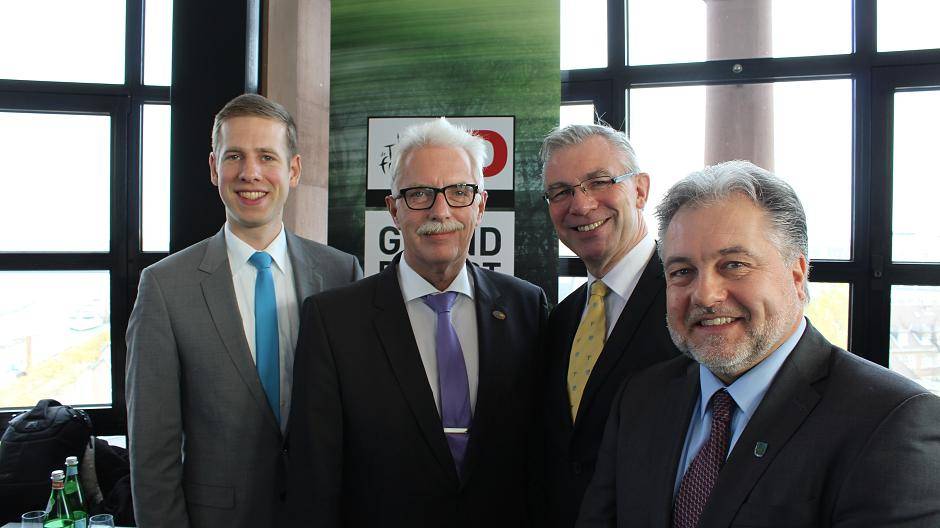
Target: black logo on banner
(491, 242)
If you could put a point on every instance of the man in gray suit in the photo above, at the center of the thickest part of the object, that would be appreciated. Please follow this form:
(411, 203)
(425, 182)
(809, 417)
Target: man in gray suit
(765, 423)
(210, 342)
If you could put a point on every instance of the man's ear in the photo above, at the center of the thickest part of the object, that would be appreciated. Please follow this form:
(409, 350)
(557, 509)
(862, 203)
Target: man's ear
(213, 173)
(392, 205)
(800, 272)
(295, 170)
(642, 183)
(482, 206)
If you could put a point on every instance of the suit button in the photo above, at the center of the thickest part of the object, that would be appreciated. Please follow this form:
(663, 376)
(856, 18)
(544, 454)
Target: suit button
(284, 452)
(283, 496)
(576, 468)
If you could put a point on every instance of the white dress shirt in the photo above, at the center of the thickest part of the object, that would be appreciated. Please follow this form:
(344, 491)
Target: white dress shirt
(622, 279)
(288, 317)
(424, 325)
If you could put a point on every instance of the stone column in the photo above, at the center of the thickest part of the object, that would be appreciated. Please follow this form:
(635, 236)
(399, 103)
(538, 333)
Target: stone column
(297, 75)
(739, 118)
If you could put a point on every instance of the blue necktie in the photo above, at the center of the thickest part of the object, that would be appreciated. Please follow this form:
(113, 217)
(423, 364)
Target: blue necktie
(266, 334)
(451, 378)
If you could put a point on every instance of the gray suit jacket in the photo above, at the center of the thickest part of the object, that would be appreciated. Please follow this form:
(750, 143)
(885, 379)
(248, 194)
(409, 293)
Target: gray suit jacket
(843, 442)
(205, 447)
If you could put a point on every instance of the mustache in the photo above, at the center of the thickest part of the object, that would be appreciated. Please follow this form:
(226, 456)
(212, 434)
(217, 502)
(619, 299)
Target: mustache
(698, 313)
(436, 228)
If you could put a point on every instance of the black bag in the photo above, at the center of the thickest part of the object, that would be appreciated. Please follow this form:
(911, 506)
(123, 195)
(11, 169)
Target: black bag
(34, 444)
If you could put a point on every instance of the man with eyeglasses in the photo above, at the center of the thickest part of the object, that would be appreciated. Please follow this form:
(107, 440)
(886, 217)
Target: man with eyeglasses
(609, 328)
(418, 406)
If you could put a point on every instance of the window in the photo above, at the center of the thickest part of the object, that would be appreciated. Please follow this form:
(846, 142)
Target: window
(84, 130)
(810, 91)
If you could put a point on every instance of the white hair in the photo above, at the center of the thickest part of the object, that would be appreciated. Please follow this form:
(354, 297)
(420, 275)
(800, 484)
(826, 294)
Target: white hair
(439, 133)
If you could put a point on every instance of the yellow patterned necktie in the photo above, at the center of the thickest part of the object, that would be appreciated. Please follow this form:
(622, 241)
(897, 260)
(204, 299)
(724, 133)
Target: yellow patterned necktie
(587, 346)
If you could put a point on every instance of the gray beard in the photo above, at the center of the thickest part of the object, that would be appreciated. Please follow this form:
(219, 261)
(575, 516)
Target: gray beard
(730, 360)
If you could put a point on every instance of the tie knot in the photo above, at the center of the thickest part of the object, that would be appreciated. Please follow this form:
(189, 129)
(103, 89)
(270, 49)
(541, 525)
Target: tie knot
(599, 289)
(721, 403)
(261, 260)
(440, 302)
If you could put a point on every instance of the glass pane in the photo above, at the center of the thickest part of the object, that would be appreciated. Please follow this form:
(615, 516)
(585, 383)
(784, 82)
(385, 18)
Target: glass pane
(583, 34)
(696, 30)
(915, 334)
(65, 188)
(158, 41)
(915, 237)
(576, 114)
(908, 24)
(564, 251)
(802, 131)
(828, 310)
(155, 179)
(49, 40)
(55, 337)
(566, 285)
(570, 114)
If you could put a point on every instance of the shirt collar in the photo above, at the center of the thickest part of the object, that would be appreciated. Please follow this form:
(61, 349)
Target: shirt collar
(749, 390)
(414, 286)
(628, 269)
(239, 251)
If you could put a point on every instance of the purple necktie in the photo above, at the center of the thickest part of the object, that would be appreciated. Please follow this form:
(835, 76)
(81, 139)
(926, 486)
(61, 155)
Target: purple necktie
(451, 378)
(702, 474)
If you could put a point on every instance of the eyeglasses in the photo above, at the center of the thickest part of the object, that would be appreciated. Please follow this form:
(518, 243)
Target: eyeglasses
(420, 198)
(590, 187)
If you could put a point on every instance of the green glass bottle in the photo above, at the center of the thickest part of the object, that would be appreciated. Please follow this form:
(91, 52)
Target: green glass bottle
(57, 510)
(73, 493)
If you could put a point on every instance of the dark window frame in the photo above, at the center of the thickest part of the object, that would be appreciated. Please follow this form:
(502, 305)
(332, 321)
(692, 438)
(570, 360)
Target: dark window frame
(869, 272)
(124, 260)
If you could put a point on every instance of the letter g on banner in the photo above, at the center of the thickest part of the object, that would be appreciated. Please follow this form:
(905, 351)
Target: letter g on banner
(500, 152)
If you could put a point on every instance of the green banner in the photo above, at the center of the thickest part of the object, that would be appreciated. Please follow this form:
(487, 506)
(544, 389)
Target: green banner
(445, 58)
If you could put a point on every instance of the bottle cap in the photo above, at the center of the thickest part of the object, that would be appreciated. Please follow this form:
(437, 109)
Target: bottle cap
(58, 475)
(71, 461)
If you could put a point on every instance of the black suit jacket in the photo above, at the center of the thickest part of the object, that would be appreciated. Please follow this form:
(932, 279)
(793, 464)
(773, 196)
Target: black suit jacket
(849, 443)
(638, 340)
(367, 447)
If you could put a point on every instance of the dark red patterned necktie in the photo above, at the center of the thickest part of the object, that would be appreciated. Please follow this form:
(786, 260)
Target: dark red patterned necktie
(702, 474)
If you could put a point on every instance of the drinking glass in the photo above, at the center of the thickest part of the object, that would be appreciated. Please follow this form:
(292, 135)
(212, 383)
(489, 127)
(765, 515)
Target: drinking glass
(33, 519)
(101, 520)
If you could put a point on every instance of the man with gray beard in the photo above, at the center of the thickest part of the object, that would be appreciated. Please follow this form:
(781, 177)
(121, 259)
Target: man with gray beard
(415, 397)
(765, 423)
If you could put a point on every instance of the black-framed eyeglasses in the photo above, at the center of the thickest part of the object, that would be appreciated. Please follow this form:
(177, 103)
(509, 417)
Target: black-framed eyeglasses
(590, 187)
(420, 198)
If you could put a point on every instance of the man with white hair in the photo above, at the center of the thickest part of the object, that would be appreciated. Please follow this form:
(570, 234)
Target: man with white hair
(415, 399)
(764, 423)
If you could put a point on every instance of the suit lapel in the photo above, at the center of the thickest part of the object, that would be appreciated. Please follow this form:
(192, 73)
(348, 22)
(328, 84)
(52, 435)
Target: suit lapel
(219, 292)
(307, 277)
(789, 400)
(671, 426)
(650, 284)
(393, 328)
(492, 338)
(568, 316)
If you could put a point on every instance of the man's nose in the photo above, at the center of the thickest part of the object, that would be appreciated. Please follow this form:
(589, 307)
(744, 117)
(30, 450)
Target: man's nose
(250, 169)
(440, 208)
(709, 290)
(582, 202)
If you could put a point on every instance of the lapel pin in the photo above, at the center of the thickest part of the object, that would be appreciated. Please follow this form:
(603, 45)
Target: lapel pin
(499, 315)
(759, 449)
